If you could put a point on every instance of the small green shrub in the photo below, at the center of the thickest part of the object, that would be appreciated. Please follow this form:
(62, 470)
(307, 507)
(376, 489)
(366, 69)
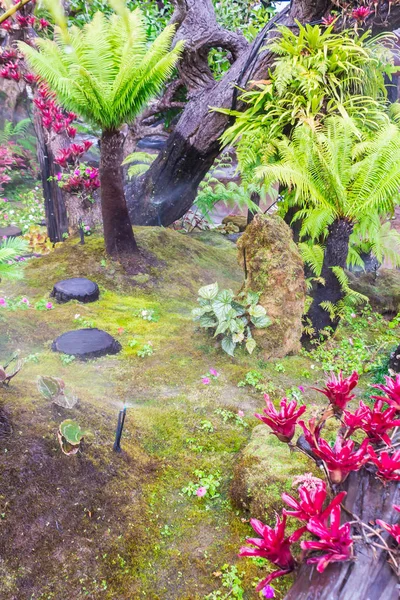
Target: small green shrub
(230, 318)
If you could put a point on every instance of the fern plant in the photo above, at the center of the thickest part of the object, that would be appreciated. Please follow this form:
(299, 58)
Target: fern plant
(10, 250)
(342, 180)
(106, 72)
(316, 73)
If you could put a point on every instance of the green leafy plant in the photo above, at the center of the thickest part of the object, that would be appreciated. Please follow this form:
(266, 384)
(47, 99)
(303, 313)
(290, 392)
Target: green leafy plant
(106, 72)
(231, 579)
(146, 350)
(70, 436)
(11, 250)
(208, 483)
(53, 389)
(230, 318)
(229, 416)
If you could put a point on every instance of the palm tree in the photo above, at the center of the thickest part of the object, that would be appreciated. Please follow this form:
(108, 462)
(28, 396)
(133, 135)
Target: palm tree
(106, 72)
(340, 180)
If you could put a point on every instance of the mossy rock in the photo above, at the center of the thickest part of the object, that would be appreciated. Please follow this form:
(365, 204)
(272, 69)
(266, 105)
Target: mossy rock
(382, 289)
(238, 220)
(265, 470)
(274, 268)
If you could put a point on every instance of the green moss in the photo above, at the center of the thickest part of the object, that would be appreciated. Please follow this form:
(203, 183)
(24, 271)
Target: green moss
(106, 513)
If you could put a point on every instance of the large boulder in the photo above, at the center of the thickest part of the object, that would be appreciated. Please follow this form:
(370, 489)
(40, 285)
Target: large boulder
(264, 471)
(274, 268)
(381, 288)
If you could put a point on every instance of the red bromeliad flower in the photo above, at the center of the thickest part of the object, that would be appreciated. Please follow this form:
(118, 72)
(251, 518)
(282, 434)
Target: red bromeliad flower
(356, 419)
(388, 464)
(361, 13)
(339, 460)
(312, 494)
(282, 423)
(274, 546)
(375, 423)
(392, 390)
(335, 541)
(329, 20)
(394, 530)
(6, 25)
(338, 389)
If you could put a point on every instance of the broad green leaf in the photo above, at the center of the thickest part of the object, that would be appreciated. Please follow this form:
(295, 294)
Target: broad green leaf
(72, 432)
(238, 308)
(208, 320)
(261, 322)
(257, 311)
(222, 304)
(250, 345)
(228, 345)
(252, 298)
(209, 292)
(238, 337)
(50, 387)
(199, 312)
(233, 326)
(222, 327)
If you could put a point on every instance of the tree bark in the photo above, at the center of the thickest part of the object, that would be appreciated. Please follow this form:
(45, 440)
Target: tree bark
(335, 255)
(369, 576)
(167, 191)
(118, 233)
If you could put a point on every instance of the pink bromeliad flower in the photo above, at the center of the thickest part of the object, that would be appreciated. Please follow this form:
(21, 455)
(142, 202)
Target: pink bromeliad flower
(339, 460)
(282, 423)
(361, 13)
(374, 422)
(392, 390)
(337, 390)
(312, 494)
(274, 546)
(388, 464)
(394, 530)
(334, 540)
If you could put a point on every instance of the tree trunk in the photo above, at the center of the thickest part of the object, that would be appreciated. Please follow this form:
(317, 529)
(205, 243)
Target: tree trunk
(369, 577)
(118, 233)
(167, 191)
(335, 255)
(56, 214)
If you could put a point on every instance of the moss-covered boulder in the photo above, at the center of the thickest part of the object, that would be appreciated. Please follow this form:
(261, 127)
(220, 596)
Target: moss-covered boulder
(239, 221)
(265, 470)
(274, 268)
(382, 289)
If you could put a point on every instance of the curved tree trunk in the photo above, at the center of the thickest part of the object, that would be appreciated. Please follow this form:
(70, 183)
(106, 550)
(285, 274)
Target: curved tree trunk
(335, 255)
(118, 233)
(167, 191)
(369, 576)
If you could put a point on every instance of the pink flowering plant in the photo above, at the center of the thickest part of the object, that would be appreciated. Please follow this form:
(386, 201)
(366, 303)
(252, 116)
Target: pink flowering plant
(206, 485)
(325, 534)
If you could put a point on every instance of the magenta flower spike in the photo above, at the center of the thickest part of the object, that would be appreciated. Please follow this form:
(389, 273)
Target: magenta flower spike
(338, 390)
(274, 546)
(388, 464)
(282, 423)
(334, 540)
(312, 498)
(392, 390)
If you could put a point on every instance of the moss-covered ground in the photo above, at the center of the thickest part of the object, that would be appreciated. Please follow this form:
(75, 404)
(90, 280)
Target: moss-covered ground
(102, 525)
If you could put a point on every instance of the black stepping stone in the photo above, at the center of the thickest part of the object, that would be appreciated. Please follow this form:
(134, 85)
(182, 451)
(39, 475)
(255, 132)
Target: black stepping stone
(10, 231)
(77, 288)
(86, 343)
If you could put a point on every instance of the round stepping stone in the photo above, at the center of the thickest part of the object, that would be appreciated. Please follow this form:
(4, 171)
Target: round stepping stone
(77, 288)
(10, 231)
(86, 343)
